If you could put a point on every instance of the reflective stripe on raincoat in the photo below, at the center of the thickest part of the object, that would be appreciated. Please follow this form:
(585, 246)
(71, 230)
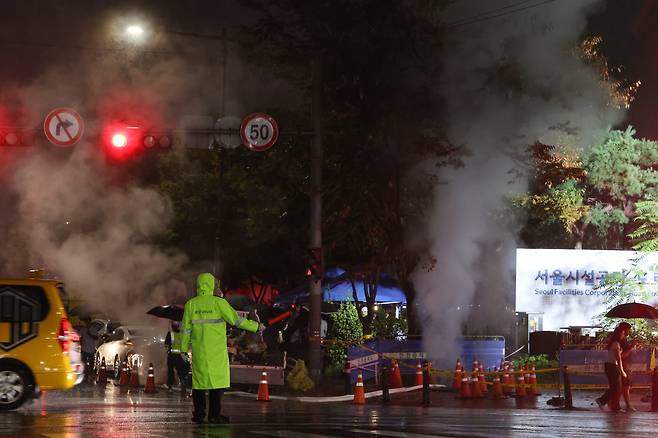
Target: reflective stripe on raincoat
(204, 323)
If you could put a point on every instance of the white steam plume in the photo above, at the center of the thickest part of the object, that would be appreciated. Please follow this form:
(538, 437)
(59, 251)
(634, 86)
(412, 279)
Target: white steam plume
(95, 236)
(508, 82)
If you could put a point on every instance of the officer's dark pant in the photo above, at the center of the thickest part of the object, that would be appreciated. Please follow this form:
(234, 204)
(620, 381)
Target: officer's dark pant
(176, 361)
(214, 399)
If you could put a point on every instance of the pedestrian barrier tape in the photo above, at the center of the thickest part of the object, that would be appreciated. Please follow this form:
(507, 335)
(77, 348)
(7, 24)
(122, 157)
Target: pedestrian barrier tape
(576, 370)
(338, 398)
(402, 362)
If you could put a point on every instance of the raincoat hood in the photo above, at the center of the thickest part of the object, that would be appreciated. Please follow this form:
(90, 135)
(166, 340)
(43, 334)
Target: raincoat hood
(205, 284)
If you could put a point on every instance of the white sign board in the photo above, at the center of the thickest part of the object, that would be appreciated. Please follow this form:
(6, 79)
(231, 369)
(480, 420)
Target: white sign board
(565, 284)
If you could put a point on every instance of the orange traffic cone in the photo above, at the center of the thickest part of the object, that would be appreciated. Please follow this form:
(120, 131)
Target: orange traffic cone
(263, 387)
(149, 388)
(483, 381)
(475, 385)
(457, 378)
(476, 365)
(396, 378)
(534, 389)
(465, 388)
(508, 387)
(359, 391)
(526, 374)
(123, 377)
(520, 385)
(419, 374)
(101, 379)
(134, 379)
(497, 387)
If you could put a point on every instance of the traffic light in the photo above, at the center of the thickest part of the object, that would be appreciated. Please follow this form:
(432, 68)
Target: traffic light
(122, 141)
(13, 136)
(314, 264)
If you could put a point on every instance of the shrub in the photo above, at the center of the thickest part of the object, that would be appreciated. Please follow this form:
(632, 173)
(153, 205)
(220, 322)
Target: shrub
(346, 329)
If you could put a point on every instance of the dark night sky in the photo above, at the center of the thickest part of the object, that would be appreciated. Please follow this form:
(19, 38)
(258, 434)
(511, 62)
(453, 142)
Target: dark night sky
(630, 40)
(39, 34)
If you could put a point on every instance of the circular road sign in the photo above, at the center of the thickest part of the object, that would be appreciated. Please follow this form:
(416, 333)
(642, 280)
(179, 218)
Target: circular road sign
(259, 131)
(63, 127)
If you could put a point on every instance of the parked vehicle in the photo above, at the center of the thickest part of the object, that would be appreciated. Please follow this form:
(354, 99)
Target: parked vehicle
(130, 344)
(39, 350)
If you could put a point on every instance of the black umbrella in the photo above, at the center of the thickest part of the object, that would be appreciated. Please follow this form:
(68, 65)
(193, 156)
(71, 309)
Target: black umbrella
(175, 313)
(633, 310)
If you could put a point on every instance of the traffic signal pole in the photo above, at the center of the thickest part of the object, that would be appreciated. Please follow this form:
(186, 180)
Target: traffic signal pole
(315, 347)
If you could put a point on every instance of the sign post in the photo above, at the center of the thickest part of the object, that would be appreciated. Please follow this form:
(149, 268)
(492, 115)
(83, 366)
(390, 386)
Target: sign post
(63, 127)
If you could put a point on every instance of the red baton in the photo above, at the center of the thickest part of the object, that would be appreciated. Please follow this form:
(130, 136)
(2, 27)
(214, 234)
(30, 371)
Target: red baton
(276, 319)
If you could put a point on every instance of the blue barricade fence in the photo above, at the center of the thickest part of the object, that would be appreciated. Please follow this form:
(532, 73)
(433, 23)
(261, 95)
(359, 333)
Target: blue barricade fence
(373, 355)
(586, 366)
(488, 351)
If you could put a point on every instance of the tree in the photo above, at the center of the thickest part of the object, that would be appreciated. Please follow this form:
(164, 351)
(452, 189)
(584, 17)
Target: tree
(589, 201)
(345, 330)
(620, 172)
(369, 278)
(381, 111)
(261, 210)
(554, 207)
(626, 287)
(645, 236)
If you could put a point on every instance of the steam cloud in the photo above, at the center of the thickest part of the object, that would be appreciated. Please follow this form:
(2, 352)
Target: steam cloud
(61, 210)
(508, 82)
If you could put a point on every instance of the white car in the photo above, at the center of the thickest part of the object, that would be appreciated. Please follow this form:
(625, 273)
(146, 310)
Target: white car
(136, 345)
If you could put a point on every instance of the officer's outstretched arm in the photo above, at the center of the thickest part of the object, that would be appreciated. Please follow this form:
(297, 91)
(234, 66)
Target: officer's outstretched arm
(231, 316)
(186, 330)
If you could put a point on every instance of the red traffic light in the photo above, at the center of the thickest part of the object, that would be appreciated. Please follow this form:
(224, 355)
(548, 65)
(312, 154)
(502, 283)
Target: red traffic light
(119, 140)
(314, 264)
(122, 141)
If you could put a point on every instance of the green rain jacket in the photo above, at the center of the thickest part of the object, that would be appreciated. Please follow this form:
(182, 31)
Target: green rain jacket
(204, 323)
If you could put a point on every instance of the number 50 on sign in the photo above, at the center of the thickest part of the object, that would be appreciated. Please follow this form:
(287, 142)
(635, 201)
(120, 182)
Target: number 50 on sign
(259, 131)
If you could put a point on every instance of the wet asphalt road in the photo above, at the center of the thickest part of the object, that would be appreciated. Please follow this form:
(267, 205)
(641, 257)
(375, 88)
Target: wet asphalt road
(85, 412)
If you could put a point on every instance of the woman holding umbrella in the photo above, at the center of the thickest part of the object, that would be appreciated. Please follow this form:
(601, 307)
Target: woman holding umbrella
(614, 368)
(626, 353)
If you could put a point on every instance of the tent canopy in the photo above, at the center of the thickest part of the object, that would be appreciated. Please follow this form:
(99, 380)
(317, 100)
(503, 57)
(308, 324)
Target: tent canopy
(336, 287)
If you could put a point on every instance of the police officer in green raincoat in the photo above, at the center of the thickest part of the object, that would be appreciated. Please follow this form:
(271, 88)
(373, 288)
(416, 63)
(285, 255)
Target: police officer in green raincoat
(204, 323)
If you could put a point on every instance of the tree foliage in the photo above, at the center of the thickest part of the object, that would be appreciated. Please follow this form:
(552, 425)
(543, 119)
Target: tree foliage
(645, 236)
(257, 202)
(381, 109)
(625, 287)
(588, 197)
(345, 330)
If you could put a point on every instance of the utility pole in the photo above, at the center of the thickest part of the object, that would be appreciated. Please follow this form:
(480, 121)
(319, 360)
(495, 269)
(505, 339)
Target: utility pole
(315, 287)
(220, 192)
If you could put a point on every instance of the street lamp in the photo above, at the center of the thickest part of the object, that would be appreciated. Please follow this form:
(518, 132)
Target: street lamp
(134, 31)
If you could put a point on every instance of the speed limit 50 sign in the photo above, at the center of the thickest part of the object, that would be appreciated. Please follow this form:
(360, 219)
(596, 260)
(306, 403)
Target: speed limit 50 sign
(259, 131)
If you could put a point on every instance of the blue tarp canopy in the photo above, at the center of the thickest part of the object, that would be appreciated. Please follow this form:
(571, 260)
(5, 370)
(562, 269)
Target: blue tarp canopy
(336, 287)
